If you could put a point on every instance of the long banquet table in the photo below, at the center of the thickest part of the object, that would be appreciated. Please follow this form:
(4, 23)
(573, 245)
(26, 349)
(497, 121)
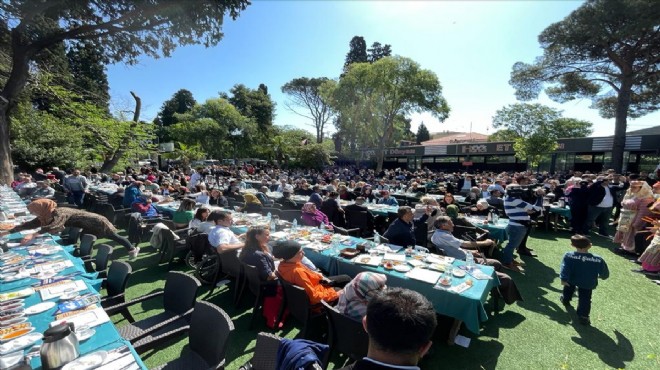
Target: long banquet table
(46, 255)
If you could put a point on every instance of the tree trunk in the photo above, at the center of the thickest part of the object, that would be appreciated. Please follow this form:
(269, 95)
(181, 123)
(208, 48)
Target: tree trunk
(620, 125)
(6, 164)
(110, 163)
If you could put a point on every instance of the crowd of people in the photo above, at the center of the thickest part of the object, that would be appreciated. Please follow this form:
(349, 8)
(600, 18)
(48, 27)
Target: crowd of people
(598, 202)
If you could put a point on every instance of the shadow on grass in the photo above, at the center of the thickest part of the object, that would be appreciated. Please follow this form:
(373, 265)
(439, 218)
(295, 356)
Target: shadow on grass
(614, 352)
(538, 292)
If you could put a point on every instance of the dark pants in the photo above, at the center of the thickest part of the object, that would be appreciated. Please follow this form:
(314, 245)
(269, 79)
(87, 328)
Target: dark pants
(76, 197)
(584, 299)
(600, 215)
(578, 215)
(523, 244)
(121, 240)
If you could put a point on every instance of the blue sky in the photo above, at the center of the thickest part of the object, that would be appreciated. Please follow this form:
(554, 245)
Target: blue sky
(470, 45)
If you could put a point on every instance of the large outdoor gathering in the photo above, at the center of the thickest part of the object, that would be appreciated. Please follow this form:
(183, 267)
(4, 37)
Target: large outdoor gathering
(311, 185)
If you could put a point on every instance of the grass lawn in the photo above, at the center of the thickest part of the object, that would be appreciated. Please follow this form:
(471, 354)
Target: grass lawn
(538, 333)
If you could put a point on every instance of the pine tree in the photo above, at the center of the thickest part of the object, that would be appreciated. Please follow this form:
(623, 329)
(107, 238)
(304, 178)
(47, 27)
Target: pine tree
(422, 133)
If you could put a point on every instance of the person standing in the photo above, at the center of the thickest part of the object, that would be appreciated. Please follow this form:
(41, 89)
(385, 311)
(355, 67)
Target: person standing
(601, 201)
(518, 212)
(76, 186)
(580, 270)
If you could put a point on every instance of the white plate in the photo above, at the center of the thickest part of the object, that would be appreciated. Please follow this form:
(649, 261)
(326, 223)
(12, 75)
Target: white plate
(20, 343)
(89, 361)
(85, 334)
(29, 330)
(402, 268)
(458, 273)
(12, 321)
(39, 308)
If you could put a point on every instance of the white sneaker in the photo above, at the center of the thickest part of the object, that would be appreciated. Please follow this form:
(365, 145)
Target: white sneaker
(133, 254)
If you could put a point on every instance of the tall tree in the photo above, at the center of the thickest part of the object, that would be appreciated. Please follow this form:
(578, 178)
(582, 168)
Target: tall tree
(376, 96)
(606, 50)
(181, 102)
(357, 52)
(253, 103)
(87, 63)
(422, 133)
(377, 51)
(127, 29)
(534, 129)
(305, 93)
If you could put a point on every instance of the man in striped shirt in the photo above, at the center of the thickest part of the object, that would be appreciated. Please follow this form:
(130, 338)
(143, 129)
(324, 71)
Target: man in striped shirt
(518, 212)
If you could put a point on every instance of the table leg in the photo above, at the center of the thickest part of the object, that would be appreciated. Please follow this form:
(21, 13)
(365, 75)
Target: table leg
(453, 332)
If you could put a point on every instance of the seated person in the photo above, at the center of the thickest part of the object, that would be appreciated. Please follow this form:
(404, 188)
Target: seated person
(387, 199)
(151, 187)
(184, 214)
(263, 198)
(316, 197)
(345, 194)
(359, 206)
(457, 248)
(202, 196)
(358, 293)
(318, 287)
(481, 208)
(218, 199)
(287, 202)
(411, 317)
(462, 226)
(257, 253)
(131, 194)
(220, 236)
(252, 204)
(200, 222)
(43, 190)
(447, 200)
(313, 217)
(143, 204)
(331, 208)
(402, 230)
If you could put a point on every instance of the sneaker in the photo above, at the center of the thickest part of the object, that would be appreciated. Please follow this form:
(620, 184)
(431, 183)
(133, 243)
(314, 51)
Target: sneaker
(222, 283)
(513, 267)
(565, 302)
(518, 263)
(584, 320)
(133, 254)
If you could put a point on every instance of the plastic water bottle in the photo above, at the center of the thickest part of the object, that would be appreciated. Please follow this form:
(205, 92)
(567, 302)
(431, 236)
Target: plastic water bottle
(376, 237)
(469, 261)
(273, 227)
(269, 217)
(322, 225)
(496, 218)
(294, 226)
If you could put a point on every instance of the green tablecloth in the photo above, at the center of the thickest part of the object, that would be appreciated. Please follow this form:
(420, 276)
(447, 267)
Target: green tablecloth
(497, 231)
(564, 212)
(467, 306)
(106, 336)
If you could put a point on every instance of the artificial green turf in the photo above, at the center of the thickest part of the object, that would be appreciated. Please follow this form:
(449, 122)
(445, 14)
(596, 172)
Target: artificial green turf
(538, 333)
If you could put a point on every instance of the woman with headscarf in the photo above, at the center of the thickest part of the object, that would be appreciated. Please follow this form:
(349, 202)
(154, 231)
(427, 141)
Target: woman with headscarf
(358, 292)
(313, 217)
(634, 208)
(52, 220)
(252, 204)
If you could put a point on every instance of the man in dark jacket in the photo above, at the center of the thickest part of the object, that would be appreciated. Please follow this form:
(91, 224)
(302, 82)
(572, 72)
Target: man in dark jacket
(402, 230)
(601, 201)
(408, 314)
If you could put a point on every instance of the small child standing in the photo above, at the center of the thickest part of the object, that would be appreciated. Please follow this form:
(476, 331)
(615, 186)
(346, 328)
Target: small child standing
(581, 269)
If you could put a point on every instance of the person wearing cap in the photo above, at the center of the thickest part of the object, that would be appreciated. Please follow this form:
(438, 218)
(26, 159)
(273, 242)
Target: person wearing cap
(601, 201)
(291, 269)
(580, 271)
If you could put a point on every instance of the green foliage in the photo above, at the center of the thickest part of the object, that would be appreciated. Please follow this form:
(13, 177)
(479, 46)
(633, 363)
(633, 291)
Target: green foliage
(373, 98)
(254, 103)
(312, 156)
(378, 51)
(606, 51)
(535, 128)
(181, 102)
(357, 52)
(423, 133)
(305, 93)
(209, 126)
(87, 66)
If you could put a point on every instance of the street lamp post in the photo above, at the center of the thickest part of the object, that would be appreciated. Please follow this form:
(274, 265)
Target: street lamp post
(235, 134)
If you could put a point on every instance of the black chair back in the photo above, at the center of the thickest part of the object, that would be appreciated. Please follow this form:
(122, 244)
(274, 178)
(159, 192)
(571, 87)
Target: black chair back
(265, 352)
(86, 245)
(118, 276)
(290, 214)
(103, 255)
(230, 264)
(352, 232)
(346, 334)
(210, 329)
(180, 292)
(71, 235)
(360, 220)
(252, 279)
(298, 304)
